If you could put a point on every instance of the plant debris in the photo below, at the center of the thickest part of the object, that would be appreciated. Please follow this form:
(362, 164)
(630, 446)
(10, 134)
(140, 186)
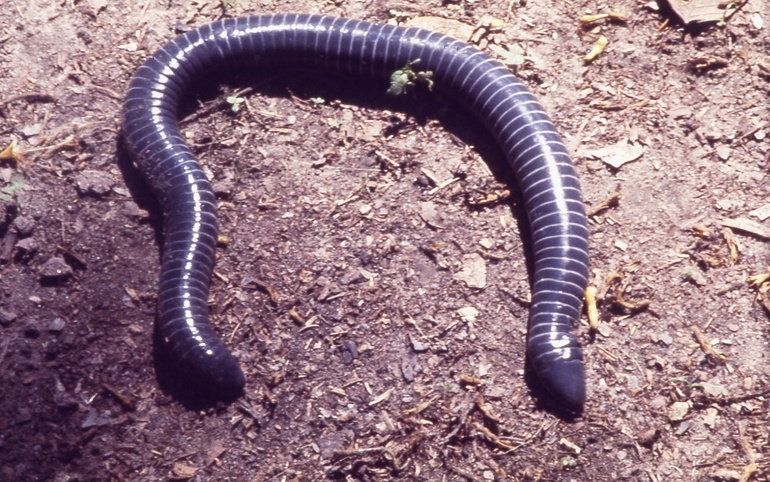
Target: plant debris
(618, 154)
(704, 11)
(598, 47)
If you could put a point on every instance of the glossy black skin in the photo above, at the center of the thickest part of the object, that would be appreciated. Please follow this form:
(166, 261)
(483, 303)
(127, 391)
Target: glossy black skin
(535, 153)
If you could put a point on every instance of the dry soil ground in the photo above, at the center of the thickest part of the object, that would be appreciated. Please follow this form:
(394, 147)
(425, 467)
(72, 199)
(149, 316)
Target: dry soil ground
(343, 286)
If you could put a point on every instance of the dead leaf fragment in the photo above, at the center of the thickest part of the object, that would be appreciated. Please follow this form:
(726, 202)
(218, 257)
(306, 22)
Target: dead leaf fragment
(468, 314)
(678, 411)
(447, 26)
(215, 450)
(182, 471)
(710, 419)
(701, 11)
(615, 155)
(13, 152)
(761, 213)
(761, 282)
(511, 55)
(706, 347)
(746, 225)
(473, 272)
(723, 152)
(430, 213)
(713, 390)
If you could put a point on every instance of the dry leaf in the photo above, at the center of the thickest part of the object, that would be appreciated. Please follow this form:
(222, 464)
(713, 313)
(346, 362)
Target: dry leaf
(761, 213)
(216, 449)
(468, 314)
(447, 26)
(183, 471)
(624, 151)
(431, 214)
(13, 152)
(678, 411)
(512, 55)
(473, 272)
(713, 390)
(746, 225)
(699, 11)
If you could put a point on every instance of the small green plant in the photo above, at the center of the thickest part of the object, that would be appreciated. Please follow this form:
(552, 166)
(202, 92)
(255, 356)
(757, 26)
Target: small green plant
(235, 102)
(403, 80)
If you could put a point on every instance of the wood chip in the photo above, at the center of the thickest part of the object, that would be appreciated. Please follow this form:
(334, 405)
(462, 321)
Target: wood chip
(384, 396)
(587, 21)
(591, 310)
(572, 447)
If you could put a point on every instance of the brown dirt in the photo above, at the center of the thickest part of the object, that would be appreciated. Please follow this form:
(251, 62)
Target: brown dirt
(328, 205)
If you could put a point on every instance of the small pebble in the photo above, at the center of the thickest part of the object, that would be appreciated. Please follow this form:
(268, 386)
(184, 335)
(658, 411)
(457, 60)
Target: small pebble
(486, 243)
(94, 183)
(56, 325)
(28, 246)
(723, 152)
(408, 368)
(417, 345)
(648, 437)
(349, 352)
(25, 415)
(224, 188)
(55, 268)
(7, 316)
(24, 225)
(95, 419)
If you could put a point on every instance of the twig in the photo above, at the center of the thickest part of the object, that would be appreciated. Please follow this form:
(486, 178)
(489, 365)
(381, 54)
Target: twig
(706, 346)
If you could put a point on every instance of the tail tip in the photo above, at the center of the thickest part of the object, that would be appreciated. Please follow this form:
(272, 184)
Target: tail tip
(564, 380)
(227, 377)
